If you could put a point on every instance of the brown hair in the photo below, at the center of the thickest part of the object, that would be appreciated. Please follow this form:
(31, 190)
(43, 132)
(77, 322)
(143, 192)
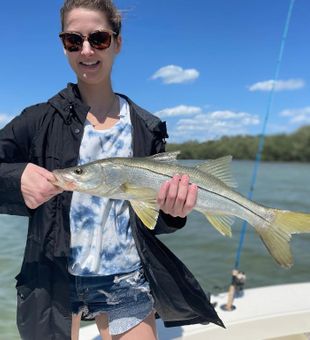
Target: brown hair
(105, 6)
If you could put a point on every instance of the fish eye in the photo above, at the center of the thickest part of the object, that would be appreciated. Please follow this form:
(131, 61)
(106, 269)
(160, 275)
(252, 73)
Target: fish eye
(78, 171)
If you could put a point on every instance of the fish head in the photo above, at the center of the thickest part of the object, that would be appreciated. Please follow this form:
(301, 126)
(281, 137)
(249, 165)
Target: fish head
(83, 178)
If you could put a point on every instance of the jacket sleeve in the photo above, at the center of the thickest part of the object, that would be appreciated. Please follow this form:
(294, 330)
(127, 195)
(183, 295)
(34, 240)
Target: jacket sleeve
(15, 141)
(166, 223)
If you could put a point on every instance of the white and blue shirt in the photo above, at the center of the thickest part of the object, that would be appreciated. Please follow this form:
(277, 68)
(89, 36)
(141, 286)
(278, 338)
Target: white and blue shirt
(101, 237)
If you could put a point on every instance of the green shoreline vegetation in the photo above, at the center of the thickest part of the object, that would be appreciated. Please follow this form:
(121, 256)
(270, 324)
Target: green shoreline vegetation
(294, 147)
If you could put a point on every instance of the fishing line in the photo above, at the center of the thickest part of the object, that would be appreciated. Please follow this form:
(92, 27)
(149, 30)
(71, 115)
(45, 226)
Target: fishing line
(263, 133)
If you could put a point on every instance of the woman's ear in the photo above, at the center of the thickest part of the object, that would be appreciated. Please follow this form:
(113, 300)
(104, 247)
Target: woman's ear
(118, 44)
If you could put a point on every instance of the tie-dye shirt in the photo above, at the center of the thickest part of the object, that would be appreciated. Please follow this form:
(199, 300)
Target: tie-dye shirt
(101, 237)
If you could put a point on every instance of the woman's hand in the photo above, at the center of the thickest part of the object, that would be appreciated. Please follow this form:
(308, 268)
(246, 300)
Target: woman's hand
(36, 187)
(177, 197)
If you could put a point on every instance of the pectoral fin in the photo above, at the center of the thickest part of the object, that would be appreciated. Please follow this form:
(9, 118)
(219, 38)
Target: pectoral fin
(143, 202)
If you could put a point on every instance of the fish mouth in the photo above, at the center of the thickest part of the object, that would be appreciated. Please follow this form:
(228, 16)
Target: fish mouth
(62, 182)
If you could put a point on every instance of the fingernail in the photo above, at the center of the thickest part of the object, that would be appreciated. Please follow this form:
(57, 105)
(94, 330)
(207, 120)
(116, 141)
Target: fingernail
(185, 178)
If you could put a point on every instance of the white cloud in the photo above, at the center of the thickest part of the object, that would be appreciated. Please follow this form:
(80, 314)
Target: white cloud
(180, 110)
(212, 125)
(172, 74)
(278, 85)
(297, 116)
(4, 119)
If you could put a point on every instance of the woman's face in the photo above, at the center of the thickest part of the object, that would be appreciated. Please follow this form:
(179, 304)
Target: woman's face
(92, 66)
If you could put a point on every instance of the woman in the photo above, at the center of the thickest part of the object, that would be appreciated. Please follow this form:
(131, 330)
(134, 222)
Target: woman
(86, 256)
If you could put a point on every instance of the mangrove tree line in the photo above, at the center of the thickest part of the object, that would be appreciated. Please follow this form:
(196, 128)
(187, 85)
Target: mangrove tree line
(279, 147)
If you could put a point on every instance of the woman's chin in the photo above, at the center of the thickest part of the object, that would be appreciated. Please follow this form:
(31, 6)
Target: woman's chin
(89, 79)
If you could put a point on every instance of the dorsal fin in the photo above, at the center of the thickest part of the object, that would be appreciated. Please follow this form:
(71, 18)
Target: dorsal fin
(167, 157)
(219, 168)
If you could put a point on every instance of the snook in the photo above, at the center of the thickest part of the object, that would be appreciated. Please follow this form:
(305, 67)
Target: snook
(139, 179)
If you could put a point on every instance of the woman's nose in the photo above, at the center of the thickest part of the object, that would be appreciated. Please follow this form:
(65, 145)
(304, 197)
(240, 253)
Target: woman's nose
(87, 49)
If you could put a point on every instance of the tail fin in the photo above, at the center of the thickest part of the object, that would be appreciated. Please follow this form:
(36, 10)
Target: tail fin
(277, 235)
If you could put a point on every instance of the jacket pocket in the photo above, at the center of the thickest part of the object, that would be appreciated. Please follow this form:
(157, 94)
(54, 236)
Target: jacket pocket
(26, 311)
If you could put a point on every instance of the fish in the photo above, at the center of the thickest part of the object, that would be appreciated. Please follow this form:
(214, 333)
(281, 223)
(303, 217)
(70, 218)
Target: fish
(138, 180)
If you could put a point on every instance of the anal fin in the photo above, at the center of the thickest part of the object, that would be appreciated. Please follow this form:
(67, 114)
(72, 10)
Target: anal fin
(222, 223)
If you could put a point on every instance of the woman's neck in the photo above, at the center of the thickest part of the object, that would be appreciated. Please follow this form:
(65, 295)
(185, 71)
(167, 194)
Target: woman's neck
(99, 98)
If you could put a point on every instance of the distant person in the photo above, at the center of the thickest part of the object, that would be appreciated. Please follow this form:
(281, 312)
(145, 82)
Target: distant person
(89, 257)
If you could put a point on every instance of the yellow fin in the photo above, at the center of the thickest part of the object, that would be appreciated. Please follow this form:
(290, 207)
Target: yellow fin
(143, 202)
(147, 212)
(221, 223)
(277, 235)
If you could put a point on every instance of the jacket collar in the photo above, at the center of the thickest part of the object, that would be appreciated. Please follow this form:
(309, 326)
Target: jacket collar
(69, 104)
(153, 123)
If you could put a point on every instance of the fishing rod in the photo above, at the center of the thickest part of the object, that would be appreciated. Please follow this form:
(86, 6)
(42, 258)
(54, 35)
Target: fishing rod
(238, 277)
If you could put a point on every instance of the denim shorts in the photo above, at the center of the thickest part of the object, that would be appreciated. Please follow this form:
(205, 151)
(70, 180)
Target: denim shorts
(125, 298)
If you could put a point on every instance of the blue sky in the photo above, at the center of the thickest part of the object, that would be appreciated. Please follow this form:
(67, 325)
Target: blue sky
(204, 66)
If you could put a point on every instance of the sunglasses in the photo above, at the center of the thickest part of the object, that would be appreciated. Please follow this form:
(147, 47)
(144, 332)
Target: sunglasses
(73, 41)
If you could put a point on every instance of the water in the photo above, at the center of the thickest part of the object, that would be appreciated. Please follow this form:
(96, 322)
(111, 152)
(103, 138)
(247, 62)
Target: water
(209, 255)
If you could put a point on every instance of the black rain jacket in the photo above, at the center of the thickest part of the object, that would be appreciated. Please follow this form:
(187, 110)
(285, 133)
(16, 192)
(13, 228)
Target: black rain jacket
(49, 135)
